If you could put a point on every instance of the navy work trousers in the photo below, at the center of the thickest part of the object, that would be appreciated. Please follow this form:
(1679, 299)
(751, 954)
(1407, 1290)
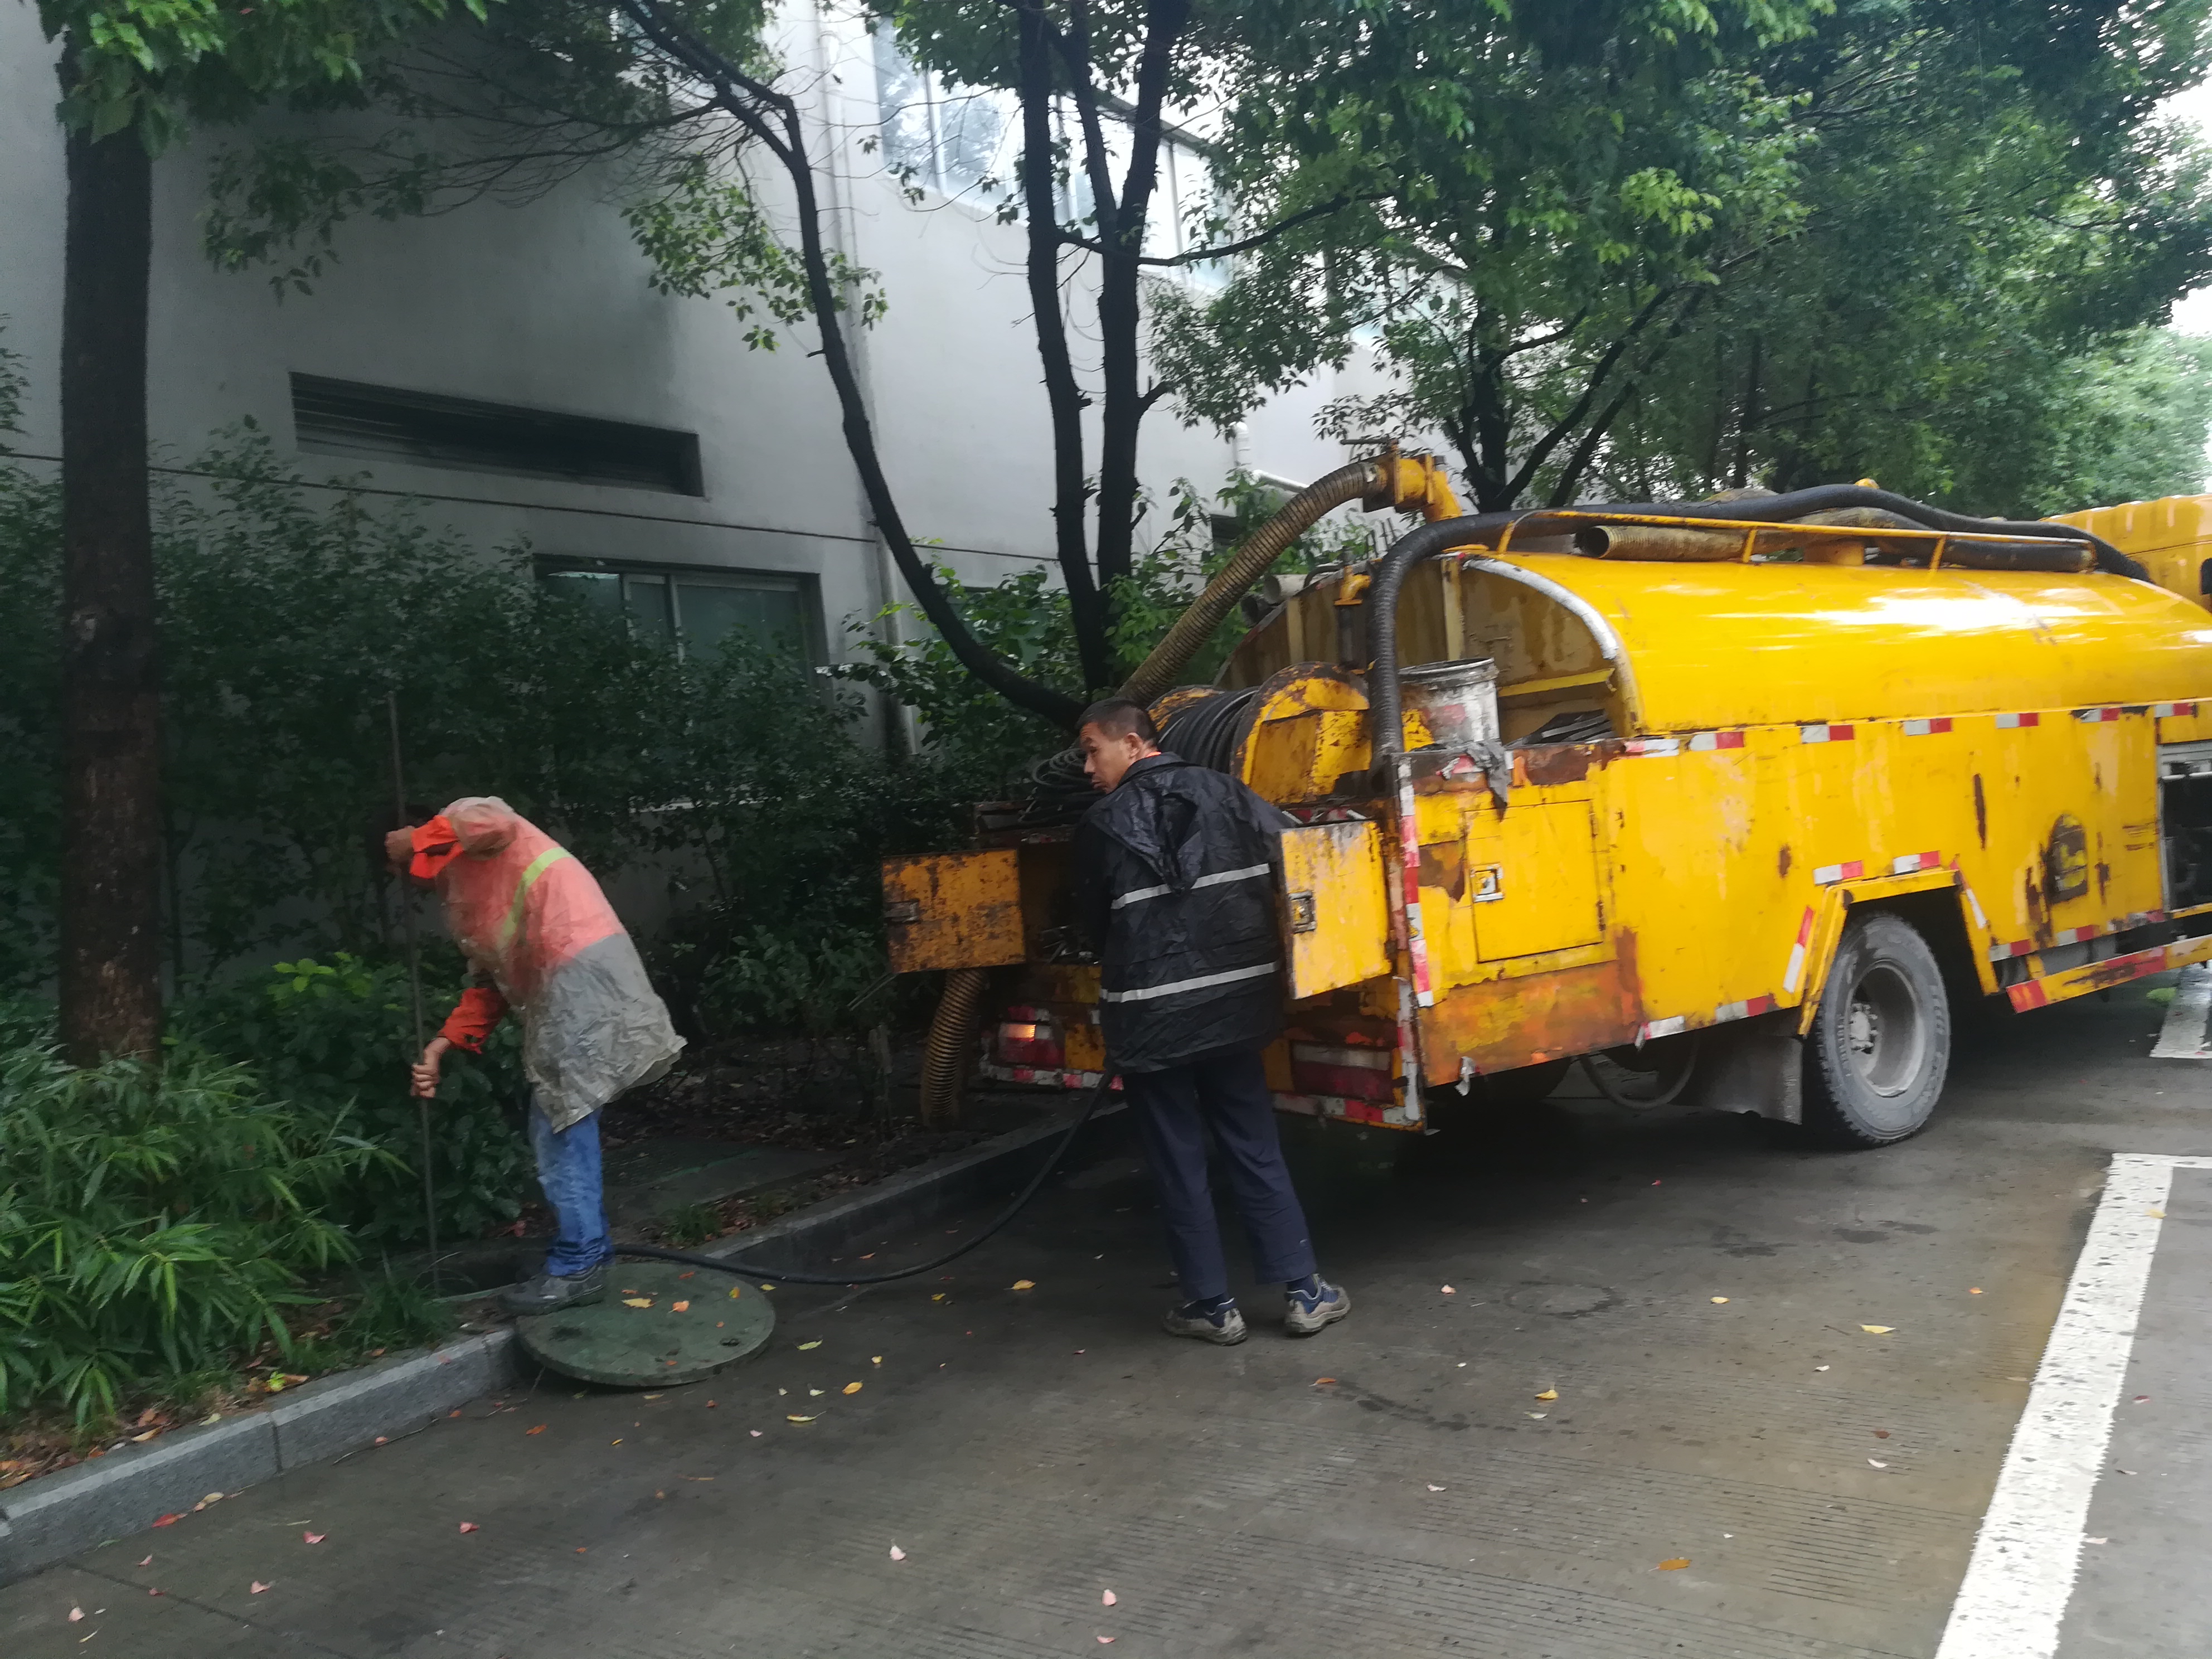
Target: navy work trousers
(1226, 1093)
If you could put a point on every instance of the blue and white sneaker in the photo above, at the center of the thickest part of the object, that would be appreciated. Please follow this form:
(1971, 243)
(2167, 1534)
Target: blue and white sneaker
(1306, 1311)
(1224, 1325)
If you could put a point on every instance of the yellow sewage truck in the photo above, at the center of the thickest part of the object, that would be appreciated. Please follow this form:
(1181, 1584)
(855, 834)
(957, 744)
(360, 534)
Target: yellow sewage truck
(1747, 795)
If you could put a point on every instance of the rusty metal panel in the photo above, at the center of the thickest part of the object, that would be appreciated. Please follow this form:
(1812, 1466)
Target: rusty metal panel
(1532, 880)
(1339, 917)
(953, 910)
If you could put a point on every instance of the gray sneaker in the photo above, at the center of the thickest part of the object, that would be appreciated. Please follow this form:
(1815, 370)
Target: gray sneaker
(550, 1293)
(1225, 1327)
(1304, 1315)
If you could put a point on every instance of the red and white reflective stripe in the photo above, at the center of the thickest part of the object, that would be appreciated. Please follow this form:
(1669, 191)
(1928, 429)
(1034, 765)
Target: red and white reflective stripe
(1701, 741)
(2096, 716)
(1828, 874)
(1795, 971)
(1652, 746)
(2167, 710)
(1926, 728)
(1907, 863)
(1825, 733)
(2143, 918)
(2075, 935)
(2007, 952)
(2006, 722)
(1050, 1080)
(1409, 865)
(1672, 1026)
(1729, 1011)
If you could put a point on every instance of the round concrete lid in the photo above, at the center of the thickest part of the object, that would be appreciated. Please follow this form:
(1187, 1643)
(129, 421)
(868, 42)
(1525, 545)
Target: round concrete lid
(660, 1324)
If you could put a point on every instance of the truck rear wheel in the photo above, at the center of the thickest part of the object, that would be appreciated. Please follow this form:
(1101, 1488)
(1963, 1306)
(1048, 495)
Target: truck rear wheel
(1880, 1042)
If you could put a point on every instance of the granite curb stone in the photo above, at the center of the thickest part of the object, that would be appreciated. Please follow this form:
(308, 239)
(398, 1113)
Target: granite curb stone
(52, 1518)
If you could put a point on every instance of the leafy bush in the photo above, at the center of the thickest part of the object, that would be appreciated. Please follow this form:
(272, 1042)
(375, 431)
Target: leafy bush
(334, 1038)
(152, 1223)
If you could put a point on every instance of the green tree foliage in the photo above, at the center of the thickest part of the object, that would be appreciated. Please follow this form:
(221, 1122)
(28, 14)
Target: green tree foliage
(1674, 248)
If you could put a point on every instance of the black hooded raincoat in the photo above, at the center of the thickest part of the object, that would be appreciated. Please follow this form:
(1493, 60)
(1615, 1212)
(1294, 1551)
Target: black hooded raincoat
(1173, 885)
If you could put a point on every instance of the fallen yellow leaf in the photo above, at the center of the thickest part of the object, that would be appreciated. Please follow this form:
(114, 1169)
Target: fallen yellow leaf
(1025, 1284)
(679, 1307)
(1877, 1330)
(1549, 1393)
(792, 1417)
(736, 1290)
(851, 1388)
(939, 1297)
(877, 1360)
(1719, 1301)
(816, 1343)
(1675, 1565)
(2155, 1214)
(637, 1302)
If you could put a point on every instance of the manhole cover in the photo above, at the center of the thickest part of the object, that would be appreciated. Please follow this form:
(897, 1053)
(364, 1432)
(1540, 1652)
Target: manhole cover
(689, 1326)
(1563, 1301)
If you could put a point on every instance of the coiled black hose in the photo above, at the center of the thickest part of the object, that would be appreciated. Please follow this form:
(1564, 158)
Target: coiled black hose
(1205, 731)
(782, 1276)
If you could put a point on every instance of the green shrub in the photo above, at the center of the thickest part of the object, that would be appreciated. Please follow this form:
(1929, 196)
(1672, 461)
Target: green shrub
(153, 1223)
(334, 1039)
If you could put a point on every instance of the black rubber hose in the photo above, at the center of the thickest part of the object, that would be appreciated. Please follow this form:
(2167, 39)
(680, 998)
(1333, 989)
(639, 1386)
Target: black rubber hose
(745, 1270)
(1827, 498)
(1423, 542)
(1205, 732)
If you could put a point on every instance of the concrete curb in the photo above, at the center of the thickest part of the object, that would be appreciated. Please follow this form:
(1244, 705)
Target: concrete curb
(50, 1519)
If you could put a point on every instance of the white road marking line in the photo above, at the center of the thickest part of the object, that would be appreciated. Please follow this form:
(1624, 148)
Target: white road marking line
(2184, 1035)
(2013, 1600)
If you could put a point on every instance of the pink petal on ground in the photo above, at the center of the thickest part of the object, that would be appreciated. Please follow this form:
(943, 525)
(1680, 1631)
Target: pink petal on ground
(311, 1537)
(1108, 1598)
(469, 1525)
(897, 1554)
(258, 1587)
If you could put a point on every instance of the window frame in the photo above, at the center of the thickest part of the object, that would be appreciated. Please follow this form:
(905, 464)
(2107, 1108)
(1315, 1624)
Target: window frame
(813, 643)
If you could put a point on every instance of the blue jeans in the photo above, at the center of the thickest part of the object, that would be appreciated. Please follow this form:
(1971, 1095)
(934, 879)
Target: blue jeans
(1226, 1093)
(568, 1171)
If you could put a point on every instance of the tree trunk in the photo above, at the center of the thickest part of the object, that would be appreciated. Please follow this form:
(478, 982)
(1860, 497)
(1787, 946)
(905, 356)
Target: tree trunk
(111, 894)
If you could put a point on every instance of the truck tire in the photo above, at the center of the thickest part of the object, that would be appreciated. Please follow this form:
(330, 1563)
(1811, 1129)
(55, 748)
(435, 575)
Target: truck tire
(1880, 1042)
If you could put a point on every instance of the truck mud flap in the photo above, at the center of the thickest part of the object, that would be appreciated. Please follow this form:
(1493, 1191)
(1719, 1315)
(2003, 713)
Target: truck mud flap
(1752, 1066)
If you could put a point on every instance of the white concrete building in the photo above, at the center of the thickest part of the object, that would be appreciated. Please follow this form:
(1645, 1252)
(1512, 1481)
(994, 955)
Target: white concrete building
(511, 367)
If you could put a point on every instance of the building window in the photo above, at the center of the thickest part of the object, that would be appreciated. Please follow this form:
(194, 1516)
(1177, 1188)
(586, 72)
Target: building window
(702, 613)
(344, 417)
(966, 142)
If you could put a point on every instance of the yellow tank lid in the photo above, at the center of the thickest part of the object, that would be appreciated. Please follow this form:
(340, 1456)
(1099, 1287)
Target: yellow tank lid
(2140, 527)
(1724, 644)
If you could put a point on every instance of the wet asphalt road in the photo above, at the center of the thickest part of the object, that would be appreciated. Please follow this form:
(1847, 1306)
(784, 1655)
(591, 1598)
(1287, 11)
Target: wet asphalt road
(1400, 1486)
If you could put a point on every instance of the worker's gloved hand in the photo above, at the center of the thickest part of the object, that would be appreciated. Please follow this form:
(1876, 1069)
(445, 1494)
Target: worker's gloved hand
(424, 1073)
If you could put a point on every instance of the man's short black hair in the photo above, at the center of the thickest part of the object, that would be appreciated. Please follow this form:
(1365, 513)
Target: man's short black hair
(1121, 717)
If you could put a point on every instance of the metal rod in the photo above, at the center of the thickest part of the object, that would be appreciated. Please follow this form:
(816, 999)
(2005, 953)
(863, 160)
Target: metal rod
(414, 986)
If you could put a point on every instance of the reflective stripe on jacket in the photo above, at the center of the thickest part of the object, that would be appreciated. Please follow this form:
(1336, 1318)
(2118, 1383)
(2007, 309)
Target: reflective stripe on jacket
(1173, 885)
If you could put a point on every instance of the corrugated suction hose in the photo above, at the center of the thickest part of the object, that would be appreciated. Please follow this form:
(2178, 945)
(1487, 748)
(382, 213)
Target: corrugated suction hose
(1251, 561)
(945, 1056)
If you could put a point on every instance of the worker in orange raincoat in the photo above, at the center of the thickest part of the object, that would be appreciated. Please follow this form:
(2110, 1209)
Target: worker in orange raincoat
(543, 942)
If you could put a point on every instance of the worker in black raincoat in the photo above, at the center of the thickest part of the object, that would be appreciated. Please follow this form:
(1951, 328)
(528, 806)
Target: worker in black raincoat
(1173, 885)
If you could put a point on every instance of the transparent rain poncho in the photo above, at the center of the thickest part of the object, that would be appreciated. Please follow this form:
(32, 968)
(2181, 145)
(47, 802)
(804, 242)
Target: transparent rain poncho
(531, 921)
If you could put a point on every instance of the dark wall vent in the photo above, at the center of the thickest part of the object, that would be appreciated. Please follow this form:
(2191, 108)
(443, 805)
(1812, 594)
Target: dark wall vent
(344, 417)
